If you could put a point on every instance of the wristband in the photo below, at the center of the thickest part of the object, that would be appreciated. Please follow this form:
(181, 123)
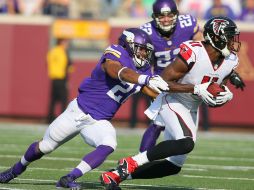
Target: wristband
(119, 72)
(143, 79)
(196, 90)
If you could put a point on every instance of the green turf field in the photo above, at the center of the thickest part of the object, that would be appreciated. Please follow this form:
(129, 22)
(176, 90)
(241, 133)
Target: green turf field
(219, 161)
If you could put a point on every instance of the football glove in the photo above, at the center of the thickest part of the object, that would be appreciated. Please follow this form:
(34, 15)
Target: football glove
(224, 97)
(158, 84)
(201, 90)
(237, 81)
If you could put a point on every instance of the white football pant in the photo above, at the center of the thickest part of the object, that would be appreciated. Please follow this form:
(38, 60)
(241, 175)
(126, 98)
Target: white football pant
(177, 118)
(74, 121)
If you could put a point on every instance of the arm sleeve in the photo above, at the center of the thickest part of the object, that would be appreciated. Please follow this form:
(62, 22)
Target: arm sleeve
(187, 55)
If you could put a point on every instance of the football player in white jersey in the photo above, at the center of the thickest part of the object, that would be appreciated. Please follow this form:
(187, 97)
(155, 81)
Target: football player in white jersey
(198, 64)
(168, 30)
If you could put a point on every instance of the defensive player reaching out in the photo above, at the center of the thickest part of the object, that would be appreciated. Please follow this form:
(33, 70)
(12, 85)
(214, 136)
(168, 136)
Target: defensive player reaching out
(168, 30)
(122, 71)
(198, 64)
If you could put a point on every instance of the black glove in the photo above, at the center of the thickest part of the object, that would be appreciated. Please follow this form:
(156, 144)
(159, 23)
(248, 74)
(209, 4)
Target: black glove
(236, 80)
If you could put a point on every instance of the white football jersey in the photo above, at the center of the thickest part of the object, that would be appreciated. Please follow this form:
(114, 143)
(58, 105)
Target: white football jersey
(201, 70)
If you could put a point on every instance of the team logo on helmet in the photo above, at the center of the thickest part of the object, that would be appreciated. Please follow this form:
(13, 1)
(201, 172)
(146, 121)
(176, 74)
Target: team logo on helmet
(165, 9)
(219, 24)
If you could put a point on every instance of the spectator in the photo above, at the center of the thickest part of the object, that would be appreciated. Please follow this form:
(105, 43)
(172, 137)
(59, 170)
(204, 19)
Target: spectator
(13, 6)
(148, 4)
(219, 9)
(58, 67)
(84, 9)
(57, 8)
(30, 7)
(235, 5)
(109, 8)
(247, 11)
(135, 8)
(3, 6)
(8, 6)
(195, 8)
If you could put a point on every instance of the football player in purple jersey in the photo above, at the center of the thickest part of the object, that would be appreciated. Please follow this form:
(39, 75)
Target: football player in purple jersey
(123, 70)
(168, 30)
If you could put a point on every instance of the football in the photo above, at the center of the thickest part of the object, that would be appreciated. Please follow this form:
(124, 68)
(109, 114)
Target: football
(214, 89)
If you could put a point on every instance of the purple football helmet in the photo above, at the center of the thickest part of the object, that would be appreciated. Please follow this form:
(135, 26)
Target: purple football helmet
(165, 8)
(223, 34)
(138, 44)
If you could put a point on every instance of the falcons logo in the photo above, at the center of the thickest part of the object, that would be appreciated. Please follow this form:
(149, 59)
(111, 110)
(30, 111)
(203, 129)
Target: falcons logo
(219, 24)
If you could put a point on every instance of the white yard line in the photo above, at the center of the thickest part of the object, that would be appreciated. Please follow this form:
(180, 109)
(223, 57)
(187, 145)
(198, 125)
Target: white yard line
(189, 166)
(8, 188)
(189, 176)
(218, 177)
(127, 131)
(221, 158)
(221, 167)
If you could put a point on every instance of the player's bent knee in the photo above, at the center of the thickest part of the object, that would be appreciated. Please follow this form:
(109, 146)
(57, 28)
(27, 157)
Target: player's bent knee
(188, 144)
(46, 146)
(112, 145)
(109, 142)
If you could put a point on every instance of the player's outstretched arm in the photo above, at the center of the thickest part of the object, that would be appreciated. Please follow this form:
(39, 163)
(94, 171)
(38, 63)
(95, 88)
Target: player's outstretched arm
(115, 70)
(148, 91)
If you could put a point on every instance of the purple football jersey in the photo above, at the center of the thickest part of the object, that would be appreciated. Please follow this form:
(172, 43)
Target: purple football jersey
(165, 50)
(100, 95)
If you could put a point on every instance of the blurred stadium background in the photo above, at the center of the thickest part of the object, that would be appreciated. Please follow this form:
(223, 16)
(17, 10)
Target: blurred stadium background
(26, 38)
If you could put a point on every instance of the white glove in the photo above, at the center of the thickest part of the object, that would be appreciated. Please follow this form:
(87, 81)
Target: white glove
(201, 90)
(158, 84)
(223, 97)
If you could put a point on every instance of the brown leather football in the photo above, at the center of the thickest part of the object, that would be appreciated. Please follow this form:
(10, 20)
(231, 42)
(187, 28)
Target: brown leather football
(214, 89)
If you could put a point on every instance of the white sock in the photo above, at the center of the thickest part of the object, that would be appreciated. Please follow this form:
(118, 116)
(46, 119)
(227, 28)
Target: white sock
(24, 162)
(141, 158)
(84, 167)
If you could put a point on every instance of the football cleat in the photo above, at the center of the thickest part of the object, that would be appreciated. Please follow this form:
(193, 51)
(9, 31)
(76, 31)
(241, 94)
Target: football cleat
(125, 167)
(110, 180)
(7, 175)
(68, 182)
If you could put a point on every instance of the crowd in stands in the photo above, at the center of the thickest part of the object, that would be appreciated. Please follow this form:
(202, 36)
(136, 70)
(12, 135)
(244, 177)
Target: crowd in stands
(102, 9)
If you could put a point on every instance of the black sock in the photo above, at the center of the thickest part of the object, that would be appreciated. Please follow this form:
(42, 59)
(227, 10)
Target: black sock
(170, 148)
(155, 169)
